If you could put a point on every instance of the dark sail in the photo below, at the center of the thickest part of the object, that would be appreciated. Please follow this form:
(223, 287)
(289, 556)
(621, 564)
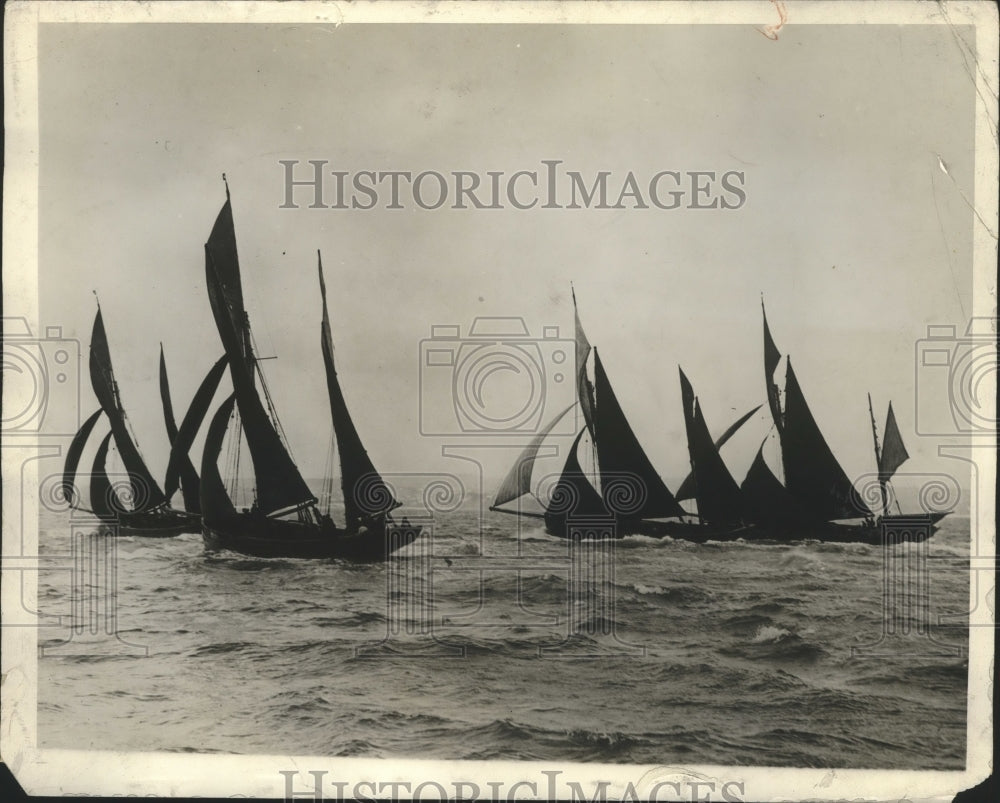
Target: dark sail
(812, 473)
(766, 501)
(893, 451)
(717, 493)
(189, 477)
(104, 500)
(222, 246)
(73, 455)
(517, 483)
(180, 446)
(280, 487)
(771, 359)
(573, 495)
(686, 488)
(145, 491)
(584, 390)
(365, 492)
(215, 502)
(620, 455)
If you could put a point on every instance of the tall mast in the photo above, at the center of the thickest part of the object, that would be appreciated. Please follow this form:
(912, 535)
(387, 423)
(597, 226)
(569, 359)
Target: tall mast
(878, 457)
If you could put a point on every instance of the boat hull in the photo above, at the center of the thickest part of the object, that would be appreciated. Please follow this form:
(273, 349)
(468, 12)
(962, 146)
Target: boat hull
(263, 537)
(889, 530)
(151, 524)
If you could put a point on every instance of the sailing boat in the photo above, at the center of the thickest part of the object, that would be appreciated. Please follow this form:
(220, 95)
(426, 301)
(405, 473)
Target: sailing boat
(141, 509)
(722, 510)
(631, 496)
(284, 520)
(817, 499)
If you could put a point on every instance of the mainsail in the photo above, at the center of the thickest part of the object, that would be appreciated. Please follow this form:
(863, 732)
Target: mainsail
(686, 490)
(365, 492)
(145, 492)
(620, 455)
(189, 477)
(73, 454)
(718, 495)
(280, 487)
(812, 473)
(215, 502)
(517, 483)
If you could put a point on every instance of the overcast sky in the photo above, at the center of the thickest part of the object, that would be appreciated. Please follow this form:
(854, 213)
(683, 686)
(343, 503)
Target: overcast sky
(853, 232)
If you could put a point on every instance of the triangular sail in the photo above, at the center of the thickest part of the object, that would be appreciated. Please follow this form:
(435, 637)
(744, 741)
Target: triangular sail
(573, 495)
(280, 487)
(771, 359)
(584, 389)
(765, 500)
(893, 451)
(215, 502)
(517, 483)
(222, 243)
(620, 454)
(145, 490)
(812, 473)
(365, 492)
(104, 500)
(686, 490)
(189, 477)
(73, 455)
(717, 493)
(181, 445)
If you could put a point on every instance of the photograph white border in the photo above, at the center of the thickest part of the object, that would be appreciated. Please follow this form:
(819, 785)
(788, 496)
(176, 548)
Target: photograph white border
(61, 772)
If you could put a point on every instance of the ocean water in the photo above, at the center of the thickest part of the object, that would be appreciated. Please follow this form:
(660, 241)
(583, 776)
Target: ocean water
(499, 642)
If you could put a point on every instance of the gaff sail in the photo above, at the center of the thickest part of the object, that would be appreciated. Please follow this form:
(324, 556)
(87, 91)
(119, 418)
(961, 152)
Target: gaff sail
(718, 495)
(280, 487)
(620, 456)
(145, 490)
(812, 473)
(686, 490)
(366, 494)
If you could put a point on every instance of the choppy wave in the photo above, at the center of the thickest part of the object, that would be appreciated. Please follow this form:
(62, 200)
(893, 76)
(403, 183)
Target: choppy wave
(735, 652)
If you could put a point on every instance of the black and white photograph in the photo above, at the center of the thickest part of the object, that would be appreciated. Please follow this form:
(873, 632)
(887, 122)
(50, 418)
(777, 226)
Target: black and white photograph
(499, 401)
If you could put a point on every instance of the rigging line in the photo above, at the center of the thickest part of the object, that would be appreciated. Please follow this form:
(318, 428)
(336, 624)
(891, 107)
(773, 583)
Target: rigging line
(270, 402)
